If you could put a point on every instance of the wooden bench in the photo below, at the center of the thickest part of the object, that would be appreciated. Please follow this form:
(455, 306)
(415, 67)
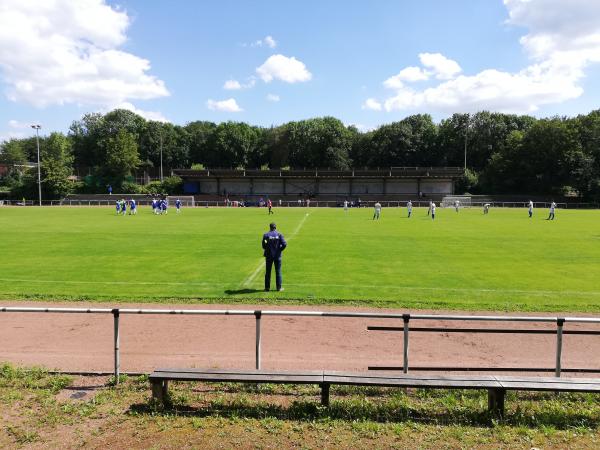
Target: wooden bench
(495, 385)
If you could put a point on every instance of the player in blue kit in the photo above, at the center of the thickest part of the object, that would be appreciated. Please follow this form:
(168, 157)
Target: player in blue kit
(132, 207)
(178, 205)
(163, 206)
(118, 207)
(123, 207)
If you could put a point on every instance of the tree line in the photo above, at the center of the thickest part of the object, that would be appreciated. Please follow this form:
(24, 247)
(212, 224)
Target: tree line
(505, 153)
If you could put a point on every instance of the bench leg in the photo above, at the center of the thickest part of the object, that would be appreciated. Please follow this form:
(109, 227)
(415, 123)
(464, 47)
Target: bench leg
(325, 394)
(496, 401)
(160, 391)
(157, 391)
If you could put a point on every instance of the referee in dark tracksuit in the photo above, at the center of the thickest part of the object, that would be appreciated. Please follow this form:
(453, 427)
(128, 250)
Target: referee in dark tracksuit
(273, 243)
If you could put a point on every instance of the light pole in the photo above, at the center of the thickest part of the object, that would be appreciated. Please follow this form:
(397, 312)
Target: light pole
(161, 148)
(37, 127)
(466, 134)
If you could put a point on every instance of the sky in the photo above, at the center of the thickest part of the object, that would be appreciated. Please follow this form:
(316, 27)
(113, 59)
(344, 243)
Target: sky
(270, 62)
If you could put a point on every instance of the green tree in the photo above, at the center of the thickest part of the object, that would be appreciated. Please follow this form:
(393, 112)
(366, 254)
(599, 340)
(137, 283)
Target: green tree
(12, 152)
(122, 157)
(233, 144)
(57, 166)
(198, 134)
(321, 142)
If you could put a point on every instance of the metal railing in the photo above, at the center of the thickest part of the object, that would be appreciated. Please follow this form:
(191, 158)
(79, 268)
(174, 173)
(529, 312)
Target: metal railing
(404, 317)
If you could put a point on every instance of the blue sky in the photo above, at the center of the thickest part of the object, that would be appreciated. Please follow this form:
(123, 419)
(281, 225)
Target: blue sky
(366, 63)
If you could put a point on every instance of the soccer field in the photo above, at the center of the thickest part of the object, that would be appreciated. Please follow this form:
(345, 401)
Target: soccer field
(465, 260)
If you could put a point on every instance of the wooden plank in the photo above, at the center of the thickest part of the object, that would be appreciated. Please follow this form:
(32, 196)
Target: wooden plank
(243, 371)
(241, 378)
(564, 387)
(412, 382)
(412, 376)
(548, 379)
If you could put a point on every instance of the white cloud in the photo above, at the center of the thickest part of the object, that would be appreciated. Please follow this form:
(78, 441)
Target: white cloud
(232, 85)
(268, 41)
(15, 124)
(229, 105)
(148, 115)
(561, 41)
(59, 52)
(443, 68)
(273, 98)
(407, 74)
(372, 104)
(279, 67)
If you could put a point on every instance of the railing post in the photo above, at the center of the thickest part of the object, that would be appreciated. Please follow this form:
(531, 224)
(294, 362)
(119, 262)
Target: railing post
(405, 319)
(258, 315)
(115, 313)
(559, 334)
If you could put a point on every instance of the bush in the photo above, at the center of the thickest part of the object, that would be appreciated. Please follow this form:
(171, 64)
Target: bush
(468, 183)
(128, 187)
(172, 185)
(197, 166)
(154, 187)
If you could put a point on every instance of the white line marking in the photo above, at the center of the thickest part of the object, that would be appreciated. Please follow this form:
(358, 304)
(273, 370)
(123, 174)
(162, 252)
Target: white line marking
(248, 281)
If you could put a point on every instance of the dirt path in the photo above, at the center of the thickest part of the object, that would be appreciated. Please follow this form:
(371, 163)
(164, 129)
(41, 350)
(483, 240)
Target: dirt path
(83, 342)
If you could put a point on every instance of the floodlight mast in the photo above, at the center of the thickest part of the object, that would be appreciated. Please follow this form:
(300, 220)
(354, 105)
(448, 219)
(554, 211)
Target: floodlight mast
(37, 127)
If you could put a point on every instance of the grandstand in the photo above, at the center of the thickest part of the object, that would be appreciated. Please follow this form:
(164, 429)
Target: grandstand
(396, 183)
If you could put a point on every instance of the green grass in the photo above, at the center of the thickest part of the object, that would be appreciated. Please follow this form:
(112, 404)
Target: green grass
(37, 409)
(503, 261)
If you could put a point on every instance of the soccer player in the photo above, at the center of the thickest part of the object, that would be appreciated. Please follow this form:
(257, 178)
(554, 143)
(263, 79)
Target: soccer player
(552, 207)
(270, 206)
(432, 207)
(178, 205)
(346, 205)
(377, 211)
(163, 206)
(409, 208)
(118, 207)
(429, 210)
(132, 207)
(456, 205)
(530, 209)
(486, 208)
(123, 207)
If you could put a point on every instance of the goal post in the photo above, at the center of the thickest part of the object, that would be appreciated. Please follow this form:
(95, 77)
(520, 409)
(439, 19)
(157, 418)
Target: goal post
(186, 200)
(450, 201)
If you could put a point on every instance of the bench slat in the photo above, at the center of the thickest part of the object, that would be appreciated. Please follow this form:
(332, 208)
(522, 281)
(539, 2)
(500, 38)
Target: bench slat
(412, 382)
(238, 377)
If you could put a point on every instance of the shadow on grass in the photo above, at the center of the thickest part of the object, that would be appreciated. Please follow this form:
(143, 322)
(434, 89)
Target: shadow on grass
(537, 414)
(242, 291)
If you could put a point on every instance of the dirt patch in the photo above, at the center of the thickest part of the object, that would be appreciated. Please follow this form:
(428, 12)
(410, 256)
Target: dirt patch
(84, 342)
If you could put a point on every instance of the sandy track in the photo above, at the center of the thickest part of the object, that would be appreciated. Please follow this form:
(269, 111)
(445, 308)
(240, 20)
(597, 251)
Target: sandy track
(83, 342)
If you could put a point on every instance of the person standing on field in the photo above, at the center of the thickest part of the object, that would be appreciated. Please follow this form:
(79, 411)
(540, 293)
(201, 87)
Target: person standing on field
(270, 205)
(377, 211)
(530, 209)
(432, 207)
(409, 208)
(346, 205)
(456, 205)
(273, 244)
(429, 210)
(486, 208)
(552, 207)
